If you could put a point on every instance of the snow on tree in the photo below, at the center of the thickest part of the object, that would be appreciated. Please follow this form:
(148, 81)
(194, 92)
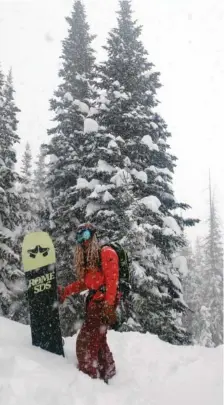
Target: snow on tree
(40, 173)
(29, 202)
(204, 285)
(41, 192)
(72, 107)
(213, 273)
(202, 328)
(110, 164)
(192, 288)
(12, 299)
(26, 167)
(129, 158)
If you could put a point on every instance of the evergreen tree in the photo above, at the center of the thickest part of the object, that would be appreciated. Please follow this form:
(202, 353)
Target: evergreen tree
(119, 174)
(11, 277)
(71, 104)
(40, 173)
(29, 202)
(194, 320)
(124, 183)
(203, 286)
(140, 154)
(41, 192)
(202, 328)
(27, 164)
(213, 273)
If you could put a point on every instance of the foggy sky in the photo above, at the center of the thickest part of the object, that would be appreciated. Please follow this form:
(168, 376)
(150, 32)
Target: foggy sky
(184, 41)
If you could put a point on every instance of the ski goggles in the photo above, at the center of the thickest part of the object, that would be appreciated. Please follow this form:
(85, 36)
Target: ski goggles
(83, 235)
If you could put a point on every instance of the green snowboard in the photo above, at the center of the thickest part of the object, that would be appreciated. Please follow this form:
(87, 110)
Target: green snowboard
(39, 262)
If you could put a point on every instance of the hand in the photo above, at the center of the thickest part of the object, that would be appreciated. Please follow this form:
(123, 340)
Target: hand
(108, 314)
(61, 294)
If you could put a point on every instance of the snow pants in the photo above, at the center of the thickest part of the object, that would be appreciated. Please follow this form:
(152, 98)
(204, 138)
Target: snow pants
(93, 353)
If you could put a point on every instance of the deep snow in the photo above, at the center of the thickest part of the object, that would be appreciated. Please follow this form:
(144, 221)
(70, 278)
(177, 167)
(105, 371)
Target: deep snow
(150, 372)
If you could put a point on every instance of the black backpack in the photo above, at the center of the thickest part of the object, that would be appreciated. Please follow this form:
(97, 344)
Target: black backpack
(124, 268)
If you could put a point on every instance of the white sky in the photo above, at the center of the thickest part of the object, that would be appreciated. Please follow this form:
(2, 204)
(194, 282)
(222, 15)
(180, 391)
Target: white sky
(185, 42)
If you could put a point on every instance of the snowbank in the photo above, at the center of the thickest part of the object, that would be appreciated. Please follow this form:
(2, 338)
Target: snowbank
(150, 372)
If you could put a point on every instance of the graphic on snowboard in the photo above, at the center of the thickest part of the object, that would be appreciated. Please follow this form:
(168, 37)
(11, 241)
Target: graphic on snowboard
(39, 261)
(33, 252)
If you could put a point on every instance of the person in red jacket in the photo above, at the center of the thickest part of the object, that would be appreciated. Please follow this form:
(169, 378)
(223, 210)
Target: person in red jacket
(98, 271)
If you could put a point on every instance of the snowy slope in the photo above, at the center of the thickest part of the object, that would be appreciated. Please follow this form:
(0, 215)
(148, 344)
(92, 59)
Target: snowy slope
(150, 372)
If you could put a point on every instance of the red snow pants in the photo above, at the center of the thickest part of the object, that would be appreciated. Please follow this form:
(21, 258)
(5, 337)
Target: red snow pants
(93, 353)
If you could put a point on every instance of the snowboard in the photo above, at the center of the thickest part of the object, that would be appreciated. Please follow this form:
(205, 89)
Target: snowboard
(39, 262)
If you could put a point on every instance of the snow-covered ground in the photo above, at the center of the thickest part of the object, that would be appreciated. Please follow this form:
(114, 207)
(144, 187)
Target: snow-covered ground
(150, 372)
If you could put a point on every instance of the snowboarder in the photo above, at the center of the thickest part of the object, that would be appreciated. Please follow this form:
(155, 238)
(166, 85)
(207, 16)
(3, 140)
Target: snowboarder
(98, 271)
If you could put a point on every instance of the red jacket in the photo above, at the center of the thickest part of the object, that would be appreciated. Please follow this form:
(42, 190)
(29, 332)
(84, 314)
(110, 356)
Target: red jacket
(107, 276)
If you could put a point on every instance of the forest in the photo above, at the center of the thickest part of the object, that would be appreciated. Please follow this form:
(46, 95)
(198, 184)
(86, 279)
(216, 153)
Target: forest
(107, 161)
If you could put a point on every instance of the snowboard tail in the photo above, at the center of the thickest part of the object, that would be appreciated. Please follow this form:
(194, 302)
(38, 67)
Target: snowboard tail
(39, 261)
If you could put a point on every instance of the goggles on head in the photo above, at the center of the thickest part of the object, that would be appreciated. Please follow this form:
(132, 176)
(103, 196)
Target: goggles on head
(83, 235)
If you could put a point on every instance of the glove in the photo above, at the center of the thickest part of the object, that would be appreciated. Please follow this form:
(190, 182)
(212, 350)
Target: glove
(108, 315)
(61, 294)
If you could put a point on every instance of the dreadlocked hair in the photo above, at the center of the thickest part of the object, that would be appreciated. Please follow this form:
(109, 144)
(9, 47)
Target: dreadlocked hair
(82, 264)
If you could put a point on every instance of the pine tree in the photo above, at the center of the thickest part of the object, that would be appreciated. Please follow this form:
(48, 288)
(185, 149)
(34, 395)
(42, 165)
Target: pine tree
(29, 202)
(124, 183)
(193, 293)
(9, 121)
(41, 192)
(71, 104)
(40, 173)
(134, 147)
(27, 164)
(119, 175)
(11, 277)
(213, 274)
(203, 286)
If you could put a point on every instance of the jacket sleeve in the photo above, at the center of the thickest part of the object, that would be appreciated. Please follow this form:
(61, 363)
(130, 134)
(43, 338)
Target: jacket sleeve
(74, 288)
(110, 267)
